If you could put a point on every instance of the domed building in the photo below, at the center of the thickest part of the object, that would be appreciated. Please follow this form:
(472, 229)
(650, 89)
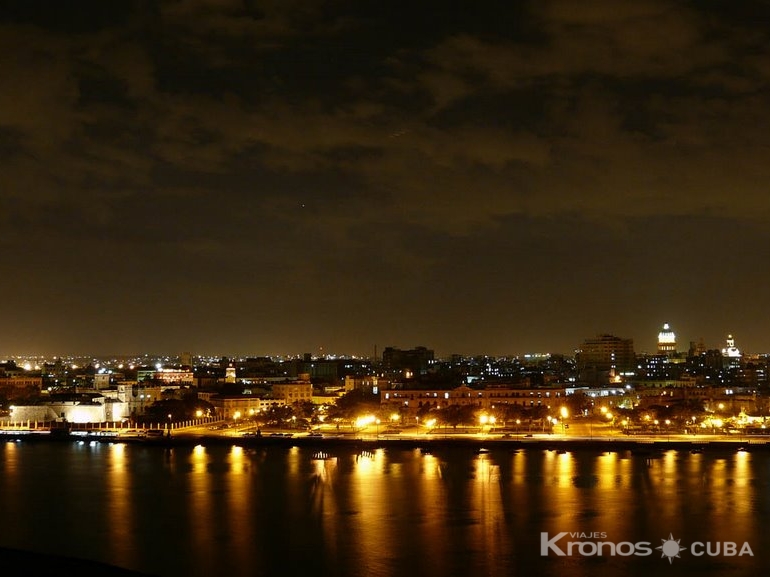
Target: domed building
(666, 341)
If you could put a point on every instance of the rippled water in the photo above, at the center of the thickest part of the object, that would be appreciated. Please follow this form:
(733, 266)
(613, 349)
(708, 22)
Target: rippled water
(234, 511)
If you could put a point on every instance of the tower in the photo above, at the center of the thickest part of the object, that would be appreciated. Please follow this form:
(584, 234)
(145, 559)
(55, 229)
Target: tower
(731, 354)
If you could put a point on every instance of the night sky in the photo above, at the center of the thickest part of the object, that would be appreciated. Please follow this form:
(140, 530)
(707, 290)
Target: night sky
(280, 177)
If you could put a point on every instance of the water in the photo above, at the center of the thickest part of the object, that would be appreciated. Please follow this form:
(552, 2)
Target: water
(235, 511)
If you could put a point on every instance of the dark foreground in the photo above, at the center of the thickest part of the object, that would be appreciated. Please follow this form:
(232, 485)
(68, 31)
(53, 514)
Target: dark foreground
(16, 563)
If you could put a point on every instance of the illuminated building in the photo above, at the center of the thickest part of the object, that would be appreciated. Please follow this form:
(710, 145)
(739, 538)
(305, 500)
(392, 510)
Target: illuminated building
(175, 377)
(139, 396)
(75, 408)
(731, 353)
(293, 392)
(416, 399)
(666, 341)
(14, 384)
(239, 406)
(370, 384)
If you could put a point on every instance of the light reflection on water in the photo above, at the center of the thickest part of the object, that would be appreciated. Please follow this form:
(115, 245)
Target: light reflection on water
(240, 511)
(120, 522)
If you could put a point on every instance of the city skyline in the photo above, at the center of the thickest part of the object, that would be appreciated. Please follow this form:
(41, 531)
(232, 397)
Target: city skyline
(679, 345)
(258, 176)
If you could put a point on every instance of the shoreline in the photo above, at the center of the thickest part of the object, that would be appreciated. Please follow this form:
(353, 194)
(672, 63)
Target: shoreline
(641, 446)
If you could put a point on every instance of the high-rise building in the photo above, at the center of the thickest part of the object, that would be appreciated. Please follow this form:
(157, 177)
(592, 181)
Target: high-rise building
(408, 363)
(666, 341)
(605, 356)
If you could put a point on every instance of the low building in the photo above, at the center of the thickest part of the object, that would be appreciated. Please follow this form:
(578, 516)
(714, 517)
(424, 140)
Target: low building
(240, 406)
(370, 384)
(20, 385)
(88, 408)
(175, 377)
(414, 400)
(139, 396)
(295, 392)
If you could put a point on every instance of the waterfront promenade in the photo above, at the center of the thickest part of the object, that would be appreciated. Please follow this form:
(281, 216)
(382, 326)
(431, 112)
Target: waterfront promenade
(213, 433)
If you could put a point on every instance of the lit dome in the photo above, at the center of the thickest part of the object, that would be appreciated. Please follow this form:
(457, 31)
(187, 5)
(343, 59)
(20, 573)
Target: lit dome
(666, 336)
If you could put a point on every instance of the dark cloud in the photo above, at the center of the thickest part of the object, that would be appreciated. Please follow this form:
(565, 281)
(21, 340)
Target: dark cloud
(266, 177)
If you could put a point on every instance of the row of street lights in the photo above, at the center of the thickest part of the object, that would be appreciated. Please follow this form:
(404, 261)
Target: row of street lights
(485, 420)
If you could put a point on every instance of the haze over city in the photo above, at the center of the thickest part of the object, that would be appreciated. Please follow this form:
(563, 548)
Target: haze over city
(278, 178)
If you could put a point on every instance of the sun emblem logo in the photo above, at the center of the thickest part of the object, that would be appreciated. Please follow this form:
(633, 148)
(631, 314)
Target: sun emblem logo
(670, 548)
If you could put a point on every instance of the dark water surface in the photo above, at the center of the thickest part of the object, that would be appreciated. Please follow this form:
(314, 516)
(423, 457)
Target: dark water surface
(234, 511)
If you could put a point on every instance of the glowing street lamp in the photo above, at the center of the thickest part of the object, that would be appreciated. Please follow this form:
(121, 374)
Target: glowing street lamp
(364, 421)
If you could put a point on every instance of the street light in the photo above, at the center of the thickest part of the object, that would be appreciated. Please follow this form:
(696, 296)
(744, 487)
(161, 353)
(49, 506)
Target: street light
(483, 420)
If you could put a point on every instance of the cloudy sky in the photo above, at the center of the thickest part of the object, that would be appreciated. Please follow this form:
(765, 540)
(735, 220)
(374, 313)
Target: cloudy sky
(281, 176)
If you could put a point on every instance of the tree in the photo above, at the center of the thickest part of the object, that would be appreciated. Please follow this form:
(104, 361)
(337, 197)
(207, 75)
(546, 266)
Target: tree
(578, 403)
(507, 413)
(159, 411)
(354, 403)
(184, 409)
(304, 409)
